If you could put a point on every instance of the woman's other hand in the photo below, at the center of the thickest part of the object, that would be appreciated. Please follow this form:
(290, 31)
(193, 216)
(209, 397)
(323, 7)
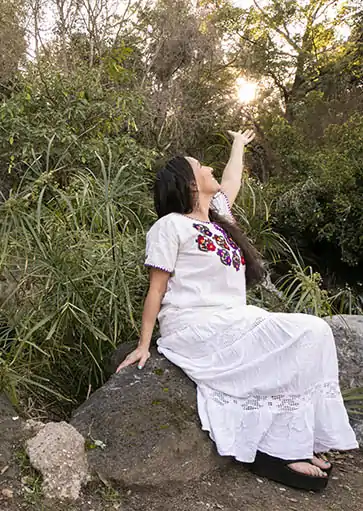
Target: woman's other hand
(140, 355)
(245, 138)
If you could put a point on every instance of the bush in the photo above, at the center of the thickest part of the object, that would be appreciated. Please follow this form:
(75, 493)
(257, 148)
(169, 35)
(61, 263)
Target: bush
(75, 258)
(319, 209)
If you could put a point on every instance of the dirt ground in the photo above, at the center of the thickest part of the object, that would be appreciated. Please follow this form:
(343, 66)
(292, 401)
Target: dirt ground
(230, 489)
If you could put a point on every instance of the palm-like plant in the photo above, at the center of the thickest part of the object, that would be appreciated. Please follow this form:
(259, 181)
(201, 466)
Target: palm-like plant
(75, 259)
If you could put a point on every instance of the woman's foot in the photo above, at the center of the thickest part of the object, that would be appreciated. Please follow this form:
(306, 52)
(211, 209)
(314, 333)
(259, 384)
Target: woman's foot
(321, 462)
(314, 469)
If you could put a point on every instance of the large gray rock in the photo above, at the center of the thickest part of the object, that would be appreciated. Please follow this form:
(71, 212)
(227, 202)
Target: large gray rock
(58, 452)
(148, 424)
(348, 334)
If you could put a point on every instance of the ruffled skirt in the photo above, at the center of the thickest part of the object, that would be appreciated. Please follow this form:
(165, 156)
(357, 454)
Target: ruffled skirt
(265, 381)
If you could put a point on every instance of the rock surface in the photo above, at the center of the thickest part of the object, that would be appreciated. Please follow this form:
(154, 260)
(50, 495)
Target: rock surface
(348, 334)
(58, 452)
(147, 421)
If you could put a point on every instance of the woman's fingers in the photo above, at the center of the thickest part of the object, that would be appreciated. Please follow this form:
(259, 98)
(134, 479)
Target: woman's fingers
(138, 355)
(130, 359)
(247, 136)
(143, 361)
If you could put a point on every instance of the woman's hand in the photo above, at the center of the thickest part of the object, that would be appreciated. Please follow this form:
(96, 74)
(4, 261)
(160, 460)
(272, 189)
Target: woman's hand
(245, 138)
(140, 355)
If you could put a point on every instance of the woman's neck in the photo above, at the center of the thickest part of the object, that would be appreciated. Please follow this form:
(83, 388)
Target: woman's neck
(201, 209)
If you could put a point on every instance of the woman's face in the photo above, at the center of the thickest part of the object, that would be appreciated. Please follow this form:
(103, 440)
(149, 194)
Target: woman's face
(206, 183)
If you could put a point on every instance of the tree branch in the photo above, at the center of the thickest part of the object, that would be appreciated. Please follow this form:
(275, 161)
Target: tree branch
(287, 36)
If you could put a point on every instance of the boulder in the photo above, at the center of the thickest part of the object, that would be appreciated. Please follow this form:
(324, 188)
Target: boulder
(143, 427)
(58, 452)
(348, 334)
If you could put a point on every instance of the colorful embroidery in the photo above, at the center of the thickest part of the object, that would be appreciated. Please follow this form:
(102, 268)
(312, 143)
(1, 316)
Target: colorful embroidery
(203, 229)
(220, 230)
(225, 257)
(236, 260)
(221, 242)
(205, 244)
(232, 243)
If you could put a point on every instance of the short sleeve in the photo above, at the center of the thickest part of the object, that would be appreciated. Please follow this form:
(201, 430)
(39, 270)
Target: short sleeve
(162, 244)
(220, 203)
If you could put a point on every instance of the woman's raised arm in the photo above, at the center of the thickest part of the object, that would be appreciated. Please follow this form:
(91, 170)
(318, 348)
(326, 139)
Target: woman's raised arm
(232, 174)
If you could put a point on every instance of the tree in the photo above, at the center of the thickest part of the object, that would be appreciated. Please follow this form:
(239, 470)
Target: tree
(288, 43)
(12, 39)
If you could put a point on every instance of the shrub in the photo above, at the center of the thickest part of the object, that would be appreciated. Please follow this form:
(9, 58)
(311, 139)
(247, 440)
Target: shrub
(75, 257)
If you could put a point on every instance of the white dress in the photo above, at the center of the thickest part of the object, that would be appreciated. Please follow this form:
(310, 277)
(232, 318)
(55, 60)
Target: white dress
(265, 381)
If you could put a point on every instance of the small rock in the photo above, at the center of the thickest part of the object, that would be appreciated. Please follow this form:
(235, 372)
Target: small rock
(4, 469)
(7, 493)
(33, 426)
(58, 452)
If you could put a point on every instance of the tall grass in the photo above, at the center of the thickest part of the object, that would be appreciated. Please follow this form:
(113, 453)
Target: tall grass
(73, 261)
(303, 291)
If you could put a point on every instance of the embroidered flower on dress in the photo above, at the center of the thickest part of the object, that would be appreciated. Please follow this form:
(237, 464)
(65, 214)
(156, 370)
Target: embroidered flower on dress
(205, 244)
(236, 261)
(232, 243)
(225, 257)
(243, 260)
(221, 242)
(203, 229)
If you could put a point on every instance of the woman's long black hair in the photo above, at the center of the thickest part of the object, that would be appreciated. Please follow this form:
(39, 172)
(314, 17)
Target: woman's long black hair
(173, 193)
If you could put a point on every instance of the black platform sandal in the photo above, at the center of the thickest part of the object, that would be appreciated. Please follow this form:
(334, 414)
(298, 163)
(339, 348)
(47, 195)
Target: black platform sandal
(278, 470)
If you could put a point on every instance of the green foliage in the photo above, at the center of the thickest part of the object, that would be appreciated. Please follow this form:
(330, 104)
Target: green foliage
(12, 40)
(75, 112)
(75, 256)
(322, 204)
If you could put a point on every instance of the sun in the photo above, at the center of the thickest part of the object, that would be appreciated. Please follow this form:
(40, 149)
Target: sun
(247, 91)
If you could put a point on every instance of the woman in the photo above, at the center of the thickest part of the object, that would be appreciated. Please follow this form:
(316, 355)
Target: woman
(267, 383)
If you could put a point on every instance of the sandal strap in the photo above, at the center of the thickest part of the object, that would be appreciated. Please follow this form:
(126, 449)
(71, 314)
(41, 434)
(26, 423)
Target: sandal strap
(289, 462)
(280, 460)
